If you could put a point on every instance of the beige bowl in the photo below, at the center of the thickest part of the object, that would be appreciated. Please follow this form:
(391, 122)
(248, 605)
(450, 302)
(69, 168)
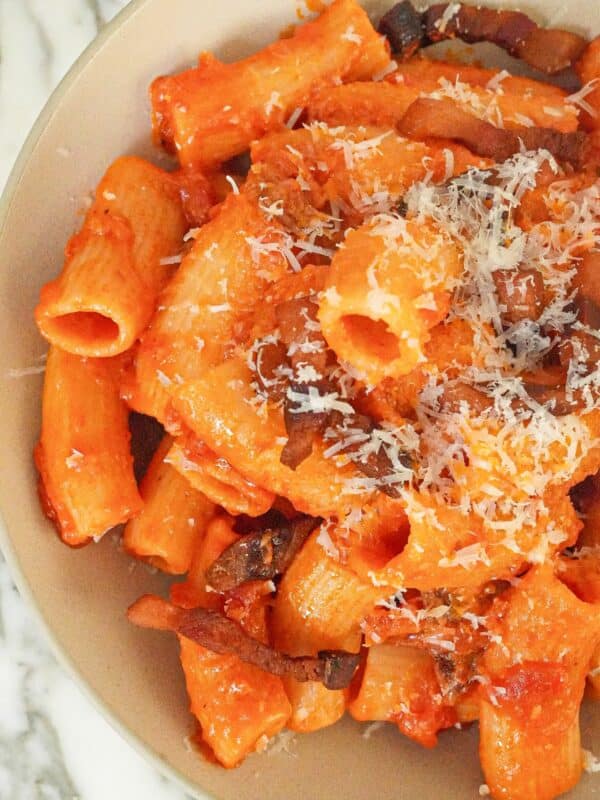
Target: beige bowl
(133, 676)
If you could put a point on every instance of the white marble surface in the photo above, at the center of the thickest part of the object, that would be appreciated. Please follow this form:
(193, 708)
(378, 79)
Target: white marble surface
(53, 744)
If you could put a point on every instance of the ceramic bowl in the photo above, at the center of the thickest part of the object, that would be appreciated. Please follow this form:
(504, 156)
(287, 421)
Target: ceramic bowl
(99, 112)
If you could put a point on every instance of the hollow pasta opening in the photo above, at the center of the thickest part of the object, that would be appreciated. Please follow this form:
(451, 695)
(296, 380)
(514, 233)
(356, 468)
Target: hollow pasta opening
(84, 327)
(371, 336)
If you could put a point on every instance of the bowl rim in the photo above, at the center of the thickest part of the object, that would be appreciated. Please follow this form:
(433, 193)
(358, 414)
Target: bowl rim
(150, 756)
(11, 187)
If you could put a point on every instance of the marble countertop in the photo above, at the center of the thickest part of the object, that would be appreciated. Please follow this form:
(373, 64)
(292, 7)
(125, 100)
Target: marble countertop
(53, 744)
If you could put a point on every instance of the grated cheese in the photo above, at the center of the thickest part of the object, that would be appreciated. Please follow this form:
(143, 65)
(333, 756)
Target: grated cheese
(449, 163)
(495, 83)
(306, 373)
(350, 35)
(24, 372)
(450, 12)
(467, 557)
(591, 763)
(324, 539)
(332, 296)
(74, 460)
(371, 729)
(443, 644)
(483, 106)
(163, 379)
(578, 98)
(315, 403)
(272, 103)
(552, 111)
(354, 150)
(293, 119)
(282, 743)
(274, 209)
(391, 67)
(191, 234)
(522, 119)
(277, 241)
(178, 459)
(169, 260)
(231, 181)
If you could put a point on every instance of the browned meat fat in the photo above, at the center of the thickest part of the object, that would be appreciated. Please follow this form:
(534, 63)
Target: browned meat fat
(547, 49)
(334, 668)
(263, 555)
(520, 294)
(403, 27)
(445, 119)
(210, 629)
(302, 428)
(459, 398)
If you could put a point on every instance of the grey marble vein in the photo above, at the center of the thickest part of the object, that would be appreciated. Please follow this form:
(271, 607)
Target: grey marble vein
(97, 12)
(53, 744)
(45, 42)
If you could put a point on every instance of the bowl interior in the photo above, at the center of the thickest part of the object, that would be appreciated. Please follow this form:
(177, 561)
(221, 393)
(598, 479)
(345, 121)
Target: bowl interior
(99, 113)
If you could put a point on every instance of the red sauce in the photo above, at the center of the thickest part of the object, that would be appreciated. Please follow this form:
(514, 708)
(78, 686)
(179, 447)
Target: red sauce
(538, 694)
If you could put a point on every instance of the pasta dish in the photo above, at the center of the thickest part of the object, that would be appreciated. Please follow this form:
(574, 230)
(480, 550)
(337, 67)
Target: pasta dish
(356, 332)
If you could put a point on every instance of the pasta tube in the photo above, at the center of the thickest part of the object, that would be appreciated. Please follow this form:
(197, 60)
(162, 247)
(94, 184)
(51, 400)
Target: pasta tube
(399, 685)
(358, 170)
(582, 575)
(213, 112)
(319, 605)
(217, 479)
(208, 302)
(519, 763)
(388, 286)
(86, 469)
(446, 542)
(515, 103)
(238, 705)
(252, 440)
(542, 645)
(115, 266)
(173, 518)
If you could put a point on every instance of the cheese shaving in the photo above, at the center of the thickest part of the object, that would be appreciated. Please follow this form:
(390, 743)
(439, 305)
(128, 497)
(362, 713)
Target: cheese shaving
(591, 763)
(578, 98)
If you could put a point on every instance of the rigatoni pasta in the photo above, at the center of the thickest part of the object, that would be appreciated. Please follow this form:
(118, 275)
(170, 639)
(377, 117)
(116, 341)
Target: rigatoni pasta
(261, 435)
(213, 112)
(238, 706)
(83, 457)
(174, 517)
(521, 103)
(116, 265)
(230, 263)
(213, 475)
(531, 675)
(387, 288)
(398, 682)
(374, 353)
(332, 600)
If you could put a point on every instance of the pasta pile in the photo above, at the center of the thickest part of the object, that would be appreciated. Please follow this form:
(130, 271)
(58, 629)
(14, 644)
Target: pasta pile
(373, 355)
